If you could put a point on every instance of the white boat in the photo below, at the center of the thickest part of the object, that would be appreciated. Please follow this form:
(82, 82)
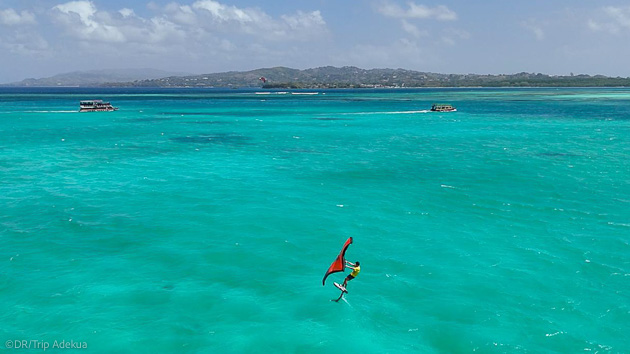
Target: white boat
(443, 108)
(96, 106)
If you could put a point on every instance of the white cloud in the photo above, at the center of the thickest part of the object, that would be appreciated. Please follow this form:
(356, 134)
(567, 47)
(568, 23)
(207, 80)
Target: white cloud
(216, 18)
(301, 26)
(591, 24)
(611, 19)
(182, 14)
(224, 13)
(536, 29)
(402, 53)
(415, 11)
(81, 21)
(304, 21)
(127, 12)
(160, 30)
(452, 36)
(203, 21)
(413, 30)
(199, 31)
(620, 15)
(85, 10)
(27, 43)
(230, 21)
(10, 17)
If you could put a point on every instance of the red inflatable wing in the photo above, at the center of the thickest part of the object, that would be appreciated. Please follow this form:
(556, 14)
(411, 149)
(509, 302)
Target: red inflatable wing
(339, 264)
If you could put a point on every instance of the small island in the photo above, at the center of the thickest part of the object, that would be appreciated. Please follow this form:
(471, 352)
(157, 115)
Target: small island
(327, 77)
(352, 77)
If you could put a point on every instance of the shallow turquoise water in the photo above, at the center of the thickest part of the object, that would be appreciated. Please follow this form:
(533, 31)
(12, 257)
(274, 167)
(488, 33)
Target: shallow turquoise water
(204, 220)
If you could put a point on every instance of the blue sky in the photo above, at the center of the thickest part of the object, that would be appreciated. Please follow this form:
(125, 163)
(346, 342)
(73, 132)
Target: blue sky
(41, 38)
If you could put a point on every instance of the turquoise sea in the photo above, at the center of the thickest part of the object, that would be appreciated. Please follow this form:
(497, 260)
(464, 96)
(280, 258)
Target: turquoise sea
(203, 220)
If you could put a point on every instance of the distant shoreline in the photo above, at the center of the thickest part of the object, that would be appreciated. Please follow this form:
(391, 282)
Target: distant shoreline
(329, 78)
(271, 89)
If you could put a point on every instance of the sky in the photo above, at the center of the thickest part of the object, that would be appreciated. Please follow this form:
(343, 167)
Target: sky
(41, 38)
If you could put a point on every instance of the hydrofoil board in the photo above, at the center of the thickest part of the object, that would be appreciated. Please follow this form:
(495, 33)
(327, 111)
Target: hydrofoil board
(340, 287)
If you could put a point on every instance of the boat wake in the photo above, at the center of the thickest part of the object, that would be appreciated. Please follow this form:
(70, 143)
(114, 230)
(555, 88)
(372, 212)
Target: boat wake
(393, 112)
(285, 93)
(408, 112)
(51, 111)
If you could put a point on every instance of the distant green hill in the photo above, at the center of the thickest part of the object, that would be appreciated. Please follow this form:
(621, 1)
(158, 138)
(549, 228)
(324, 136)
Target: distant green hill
(347, 77)
(323, 77)
(94, 77)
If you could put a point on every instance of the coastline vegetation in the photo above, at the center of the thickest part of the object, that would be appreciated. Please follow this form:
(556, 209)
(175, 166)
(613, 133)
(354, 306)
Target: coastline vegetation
(335, 77)
(352, 77)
